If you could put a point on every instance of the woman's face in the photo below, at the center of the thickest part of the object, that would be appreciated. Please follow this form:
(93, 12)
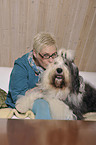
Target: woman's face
(46, 56)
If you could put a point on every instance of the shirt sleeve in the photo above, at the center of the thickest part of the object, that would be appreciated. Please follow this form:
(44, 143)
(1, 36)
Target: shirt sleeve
(18, 80)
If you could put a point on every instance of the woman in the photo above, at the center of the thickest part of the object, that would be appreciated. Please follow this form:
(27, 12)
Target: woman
(26, 73)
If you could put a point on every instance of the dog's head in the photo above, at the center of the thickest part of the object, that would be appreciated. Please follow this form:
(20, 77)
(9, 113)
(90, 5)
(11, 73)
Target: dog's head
(62, 74)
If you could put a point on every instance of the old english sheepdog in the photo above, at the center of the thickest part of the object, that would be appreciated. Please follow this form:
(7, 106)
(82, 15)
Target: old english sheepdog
(61, 86)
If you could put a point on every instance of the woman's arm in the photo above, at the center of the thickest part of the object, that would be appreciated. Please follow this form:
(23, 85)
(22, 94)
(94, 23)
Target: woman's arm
(18, 82)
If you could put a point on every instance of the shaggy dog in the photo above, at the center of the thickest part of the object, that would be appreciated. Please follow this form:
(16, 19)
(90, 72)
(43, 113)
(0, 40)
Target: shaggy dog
(68, 96)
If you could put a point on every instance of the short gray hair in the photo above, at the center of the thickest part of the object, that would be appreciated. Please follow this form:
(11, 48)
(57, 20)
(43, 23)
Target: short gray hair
(42, 40)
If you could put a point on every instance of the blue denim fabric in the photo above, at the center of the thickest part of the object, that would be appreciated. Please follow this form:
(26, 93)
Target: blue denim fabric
(41, 109)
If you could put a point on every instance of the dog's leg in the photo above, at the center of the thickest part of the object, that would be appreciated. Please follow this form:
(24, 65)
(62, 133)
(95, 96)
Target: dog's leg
(24, 103)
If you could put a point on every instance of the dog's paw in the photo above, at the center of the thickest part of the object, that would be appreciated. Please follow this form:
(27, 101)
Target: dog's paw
(22, 104)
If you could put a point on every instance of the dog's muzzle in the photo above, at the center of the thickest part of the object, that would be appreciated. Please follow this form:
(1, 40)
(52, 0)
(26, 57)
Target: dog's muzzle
(59, 78)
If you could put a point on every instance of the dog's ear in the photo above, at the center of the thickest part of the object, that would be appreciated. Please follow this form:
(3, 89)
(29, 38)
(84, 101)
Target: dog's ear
(70, 55)
(75, 82)
(67, 54)
(61, 52)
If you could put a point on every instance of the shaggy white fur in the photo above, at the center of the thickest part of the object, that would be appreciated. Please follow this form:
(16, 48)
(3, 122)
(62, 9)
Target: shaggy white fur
(68, 53)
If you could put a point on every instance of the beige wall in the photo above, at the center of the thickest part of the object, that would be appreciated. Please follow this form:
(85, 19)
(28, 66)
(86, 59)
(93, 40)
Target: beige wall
(73, 22)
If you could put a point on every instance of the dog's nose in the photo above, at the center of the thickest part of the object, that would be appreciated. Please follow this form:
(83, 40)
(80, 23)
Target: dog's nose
(59, 70)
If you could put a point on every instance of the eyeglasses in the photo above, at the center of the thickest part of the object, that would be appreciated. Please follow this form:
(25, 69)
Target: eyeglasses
(47, 56)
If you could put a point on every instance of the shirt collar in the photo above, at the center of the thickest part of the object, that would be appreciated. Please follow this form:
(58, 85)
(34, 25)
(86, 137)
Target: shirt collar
(37, 69)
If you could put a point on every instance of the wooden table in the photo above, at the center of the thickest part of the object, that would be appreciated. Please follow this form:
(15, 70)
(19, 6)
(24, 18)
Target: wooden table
(47, 132)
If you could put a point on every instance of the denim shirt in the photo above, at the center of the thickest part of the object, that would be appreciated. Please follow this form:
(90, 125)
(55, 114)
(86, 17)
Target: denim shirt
(24, 76)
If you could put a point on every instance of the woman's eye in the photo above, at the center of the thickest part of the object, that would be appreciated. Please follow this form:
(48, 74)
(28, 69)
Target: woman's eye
(46, 55)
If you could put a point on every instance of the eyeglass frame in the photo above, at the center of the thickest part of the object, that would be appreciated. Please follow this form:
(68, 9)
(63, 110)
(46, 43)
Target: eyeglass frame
(49, 55)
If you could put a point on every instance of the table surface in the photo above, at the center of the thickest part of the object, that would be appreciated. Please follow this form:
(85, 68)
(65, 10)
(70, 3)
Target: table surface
(47, 132)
